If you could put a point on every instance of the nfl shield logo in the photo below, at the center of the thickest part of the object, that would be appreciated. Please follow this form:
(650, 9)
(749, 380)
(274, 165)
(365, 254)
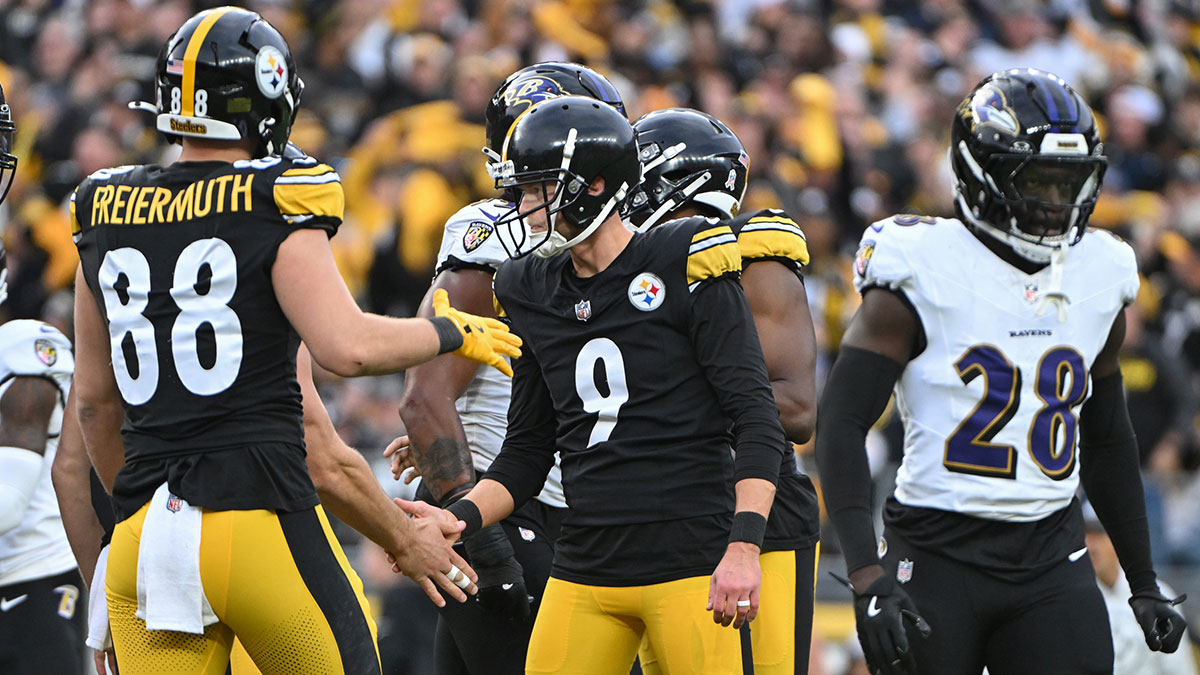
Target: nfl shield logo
(1031, 292)
(174, 503)
(527, 535)
(904, 571)
(583, 310)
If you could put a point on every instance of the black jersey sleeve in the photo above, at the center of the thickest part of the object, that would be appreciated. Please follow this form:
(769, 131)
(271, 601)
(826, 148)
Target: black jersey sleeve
(527, 454)
(727, 347)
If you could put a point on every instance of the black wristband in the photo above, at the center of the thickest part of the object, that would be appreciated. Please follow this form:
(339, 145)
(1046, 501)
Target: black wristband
(456, 493)
(466, 511)
(748, 527)
(449, 337)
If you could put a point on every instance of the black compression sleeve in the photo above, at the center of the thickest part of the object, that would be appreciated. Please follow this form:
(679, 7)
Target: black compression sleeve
(1109, 471)
(855, 395)
(727, 348)
(527, 455)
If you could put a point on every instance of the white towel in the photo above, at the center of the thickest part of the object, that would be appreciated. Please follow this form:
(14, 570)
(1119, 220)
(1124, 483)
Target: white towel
(170, 594)
(98, 635)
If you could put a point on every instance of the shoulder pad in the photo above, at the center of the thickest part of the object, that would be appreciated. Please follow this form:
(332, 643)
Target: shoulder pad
(468, 236)
(1119, 257)
(308, 192)
(884, 252)
(712, 250)
(770, 234)
(33, 348)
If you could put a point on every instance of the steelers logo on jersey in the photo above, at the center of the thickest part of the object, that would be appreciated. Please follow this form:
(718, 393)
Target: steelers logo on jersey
(46, 352)
(647, 292)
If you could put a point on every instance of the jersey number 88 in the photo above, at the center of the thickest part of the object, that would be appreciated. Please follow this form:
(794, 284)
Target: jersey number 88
(125, 283)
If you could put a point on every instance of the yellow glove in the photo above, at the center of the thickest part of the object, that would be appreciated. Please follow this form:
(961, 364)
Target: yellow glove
(484, 340)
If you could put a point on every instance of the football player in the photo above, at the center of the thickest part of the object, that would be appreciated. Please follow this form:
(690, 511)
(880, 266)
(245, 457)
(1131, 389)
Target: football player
(696, 166)
(41, 609)
(641, 354)
(999, 332)
(455, 413)
(197, 282)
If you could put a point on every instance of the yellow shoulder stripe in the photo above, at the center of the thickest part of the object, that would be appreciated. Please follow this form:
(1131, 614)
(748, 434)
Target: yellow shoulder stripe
(309, 170)
(311, 199)
(76, 228)
(712, 257)
(771, 242)
(709, 233)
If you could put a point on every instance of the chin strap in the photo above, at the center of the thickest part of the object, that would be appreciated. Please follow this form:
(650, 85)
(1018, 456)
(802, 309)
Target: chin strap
(1054, 294)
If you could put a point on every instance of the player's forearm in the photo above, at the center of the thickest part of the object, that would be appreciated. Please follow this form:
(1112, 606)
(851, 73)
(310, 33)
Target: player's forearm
(493, 500)
(380, 345)
(439, 445)
(100, 426)
(350, 491)
(856, 393)
(754, 494)
(70, 474)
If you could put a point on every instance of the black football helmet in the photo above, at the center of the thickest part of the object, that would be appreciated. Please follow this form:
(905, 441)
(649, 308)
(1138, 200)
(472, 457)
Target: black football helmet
(8, 161)
(534, 84)
(1028, 161)
(227, 74)
(563, 144)
(689, 157)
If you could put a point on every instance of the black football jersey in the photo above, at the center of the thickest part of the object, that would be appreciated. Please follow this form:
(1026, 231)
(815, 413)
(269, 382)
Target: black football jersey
(647, 366)
(770, 235)
(179, 259)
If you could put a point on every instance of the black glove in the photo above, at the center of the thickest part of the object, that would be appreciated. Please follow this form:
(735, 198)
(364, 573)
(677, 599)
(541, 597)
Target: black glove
(879, 614)
(1162, 625)
(501, 578)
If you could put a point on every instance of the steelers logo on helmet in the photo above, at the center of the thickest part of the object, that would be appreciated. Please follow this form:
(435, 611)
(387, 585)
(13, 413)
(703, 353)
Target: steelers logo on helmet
(270, 67)
(647, 292)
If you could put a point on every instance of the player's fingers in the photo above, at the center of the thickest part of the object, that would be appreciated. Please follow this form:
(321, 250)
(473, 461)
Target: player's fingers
(754, 600)
(501, 365)
(731, 611)
(419, 509)
(427, 585)
(98, 660)
(396, 444)
(450, 587)
(461, 564)
(441, 303)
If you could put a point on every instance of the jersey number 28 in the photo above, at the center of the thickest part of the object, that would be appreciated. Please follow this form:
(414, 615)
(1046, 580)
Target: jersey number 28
(125, 283)
(1061, 386)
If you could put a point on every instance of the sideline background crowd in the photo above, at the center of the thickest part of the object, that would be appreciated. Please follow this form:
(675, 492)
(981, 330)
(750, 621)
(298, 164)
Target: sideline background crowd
(843, 106)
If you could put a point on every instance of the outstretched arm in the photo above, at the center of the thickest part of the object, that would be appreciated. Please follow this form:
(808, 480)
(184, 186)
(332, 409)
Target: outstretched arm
(349, 489)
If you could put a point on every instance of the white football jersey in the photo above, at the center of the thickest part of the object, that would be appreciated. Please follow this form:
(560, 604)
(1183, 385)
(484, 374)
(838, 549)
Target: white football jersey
(990, 407)
(483, 407)
(38, 546)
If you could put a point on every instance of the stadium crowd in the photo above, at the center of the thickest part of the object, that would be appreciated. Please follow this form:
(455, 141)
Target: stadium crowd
(842, 105)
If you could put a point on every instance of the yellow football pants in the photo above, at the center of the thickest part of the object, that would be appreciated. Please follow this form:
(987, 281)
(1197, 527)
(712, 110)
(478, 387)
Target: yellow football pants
(773, 634)
(279, 582)
(596, 630)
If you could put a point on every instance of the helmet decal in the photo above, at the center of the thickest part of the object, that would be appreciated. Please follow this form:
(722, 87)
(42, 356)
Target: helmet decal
(530, 90)
(271, 71)
(989, 108)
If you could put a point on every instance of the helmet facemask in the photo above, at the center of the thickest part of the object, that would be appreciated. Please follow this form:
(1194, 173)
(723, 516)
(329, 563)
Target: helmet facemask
(569, 197)
(1034, 203)
(8, 161)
